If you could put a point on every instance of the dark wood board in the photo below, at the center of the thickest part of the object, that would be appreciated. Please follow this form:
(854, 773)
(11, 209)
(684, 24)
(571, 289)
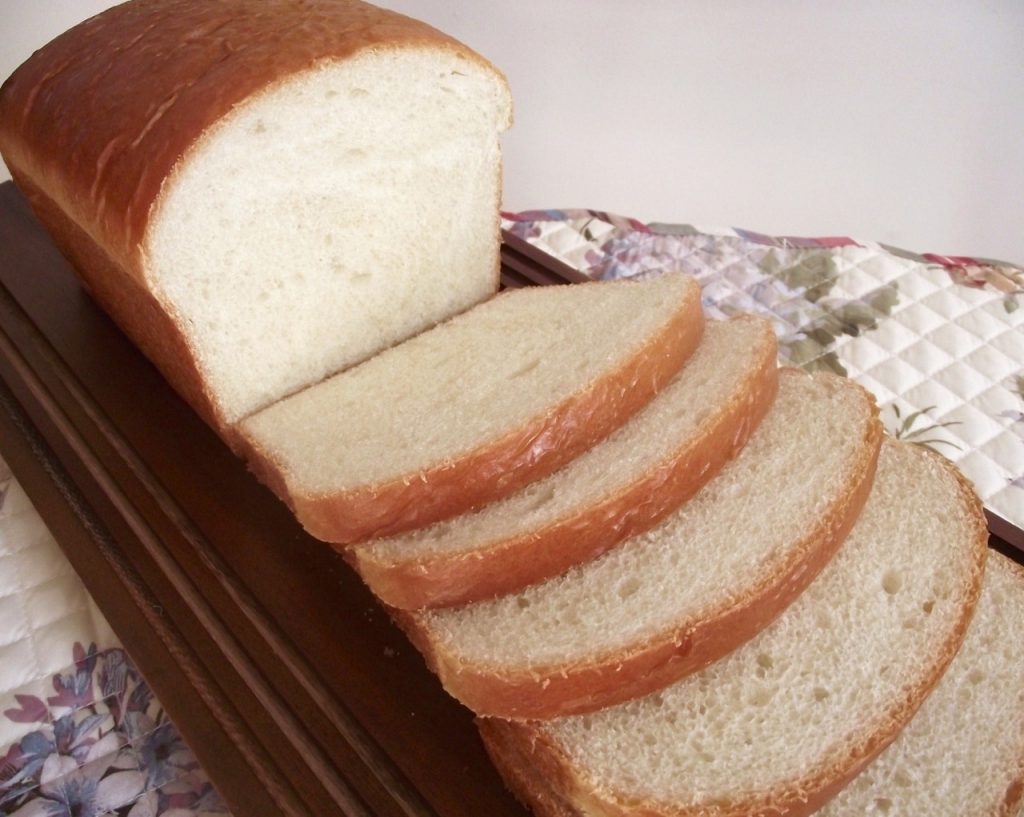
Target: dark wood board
(292, 686)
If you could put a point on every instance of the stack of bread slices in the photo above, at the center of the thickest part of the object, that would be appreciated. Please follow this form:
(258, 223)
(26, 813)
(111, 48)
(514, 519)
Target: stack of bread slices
(670, 578)
(709, 586)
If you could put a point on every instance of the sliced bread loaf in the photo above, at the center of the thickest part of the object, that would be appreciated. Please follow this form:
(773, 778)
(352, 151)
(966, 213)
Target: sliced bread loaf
(780, 725)
(263, 192)
(962, 755)
(671, 600)
(619, 488)
(473, 409)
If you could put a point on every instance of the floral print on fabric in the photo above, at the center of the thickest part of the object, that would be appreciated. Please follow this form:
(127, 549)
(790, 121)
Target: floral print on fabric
(790, 280)
(102, 746)
(938, 339)
(971, 272)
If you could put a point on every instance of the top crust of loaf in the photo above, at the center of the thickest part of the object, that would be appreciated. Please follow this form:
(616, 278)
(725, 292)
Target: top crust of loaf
(106, 162)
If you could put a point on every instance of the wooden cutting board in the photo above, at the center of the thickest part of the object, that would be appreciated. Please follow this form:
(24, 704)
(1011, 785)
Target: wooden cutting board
(291, 685)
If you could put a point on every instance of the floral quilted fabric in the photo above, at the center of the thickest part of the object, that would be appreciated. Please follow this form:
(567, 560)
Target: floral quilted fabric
(81, 734)
(938, 340)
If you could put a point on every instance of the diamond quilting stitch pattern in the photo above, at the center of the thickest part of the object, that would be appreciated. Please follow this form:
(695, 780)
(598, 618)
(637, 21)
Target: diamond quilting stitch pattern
(938, 339)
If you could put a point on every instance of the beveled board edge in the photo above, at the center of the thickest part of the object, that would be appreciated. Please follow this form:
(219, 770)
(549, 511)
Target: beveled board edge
(192, 698)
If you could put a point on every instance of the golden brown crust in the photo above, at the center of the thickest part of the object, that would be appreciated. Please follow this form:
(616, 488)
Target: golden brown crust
(1013, 797)
(536, 777)
(499, 468)
(503, 566)
(522, 745)
(93, 145)
(624, 674)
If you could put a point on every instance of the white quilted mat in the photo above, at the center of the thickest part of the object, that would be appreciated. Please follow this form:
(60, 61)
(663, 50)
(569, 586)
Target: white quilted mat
(939, 341)
(80, 731)
(44, 608)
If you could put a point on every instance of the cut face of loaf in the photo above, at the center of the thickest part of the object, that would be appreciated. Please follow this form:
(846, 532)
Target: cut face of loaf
(475, 408)
(619, 488)
(669, 601)
(782, 723)
(962, 755)
(261, 192)
(345, 210)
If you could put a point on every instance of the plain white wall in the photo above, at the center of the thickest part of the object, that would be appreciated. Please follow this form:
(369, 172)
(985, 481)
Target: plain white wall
(895, 121)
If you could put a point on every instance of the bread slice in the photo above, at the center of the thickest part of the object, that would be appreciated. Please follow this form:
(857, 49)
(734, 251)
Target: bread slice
(617, 489)
(781, 724)
(962, 755)
(263, 192)
(475, 408)
(669, 601)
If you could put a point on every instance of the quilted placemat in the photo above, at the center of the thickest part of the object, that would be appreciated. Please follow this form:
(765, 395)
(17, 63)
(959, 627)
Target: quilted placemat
(939, 340)
(81, 734)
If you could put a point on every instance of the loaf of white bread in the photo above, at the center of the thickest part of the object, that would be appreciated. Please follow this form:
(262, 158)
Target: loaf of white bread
(263, 192)
(621, 537)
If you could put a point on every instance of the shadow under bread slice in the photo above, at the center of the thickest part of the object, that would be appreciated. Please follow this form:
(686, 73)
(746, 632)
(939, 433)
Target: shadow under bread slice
(621, 487)
(669, 601)
(784, 722)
